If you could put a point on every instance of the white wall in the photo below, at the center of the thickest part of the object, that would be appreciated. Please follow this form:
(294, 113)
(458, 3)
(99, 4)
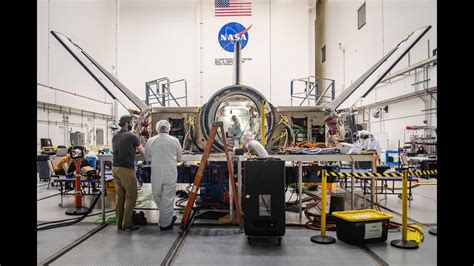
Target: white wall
(156, 38)
(144, 40)
(52, 122)
(91, 24)
(387, 23)
(163, 38)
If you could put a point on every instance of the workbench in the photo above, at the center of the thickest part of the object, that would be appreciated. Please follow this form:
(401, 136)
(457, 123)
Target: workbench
(63, 180)
(293, 160)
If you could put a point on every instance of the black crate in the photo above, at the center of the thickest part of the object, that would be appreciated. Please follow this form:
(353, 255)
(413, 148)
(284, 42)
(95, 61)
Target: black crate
(354, 233)
(264, 201)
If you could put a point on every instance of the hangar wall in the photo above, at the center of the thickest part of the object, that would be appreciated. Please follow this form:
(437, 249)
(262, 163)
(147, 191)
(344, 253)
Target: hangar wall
(139, 41)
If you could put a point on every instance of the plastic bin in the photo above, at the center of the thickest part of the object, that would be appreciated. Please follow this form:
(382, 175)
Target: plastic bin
(357, 227)
(92, 161)
(43, 166)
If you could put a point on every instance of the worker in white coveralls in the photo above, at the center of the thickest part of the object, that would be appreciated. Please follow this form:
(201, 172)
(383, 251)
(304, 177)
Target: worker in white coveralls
(164, 151)
(235, 130)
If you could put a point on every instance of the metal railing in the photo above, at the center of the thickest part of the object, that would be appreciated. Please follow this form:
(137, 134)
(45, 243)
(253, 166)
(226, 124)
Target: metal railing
(312, 90)
(159, 92)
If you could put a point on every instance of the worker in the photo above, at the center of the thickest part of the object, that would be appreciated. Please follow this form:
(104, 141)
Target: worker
(235, 131)
(66, 165)
(125, 145)
(253, 120)
(164, 151)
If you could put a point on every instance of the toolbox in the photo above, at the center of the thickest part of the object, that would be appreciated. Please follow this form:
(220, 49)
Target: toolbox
(357, 227)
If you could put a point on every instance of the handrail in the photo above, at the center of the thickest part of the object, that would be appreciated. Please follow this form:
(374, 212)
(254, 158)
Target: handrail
(185, 89)
(150, 89)
(166, 88)
(331, 85)
(309, 93)
(312, 84)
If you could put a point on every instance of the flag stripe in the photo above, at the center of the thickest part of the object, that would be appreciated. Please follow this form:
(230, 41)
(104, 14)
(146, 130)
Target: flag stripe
(235, 12)
(232, 9)
(233, 15)
(217, 13)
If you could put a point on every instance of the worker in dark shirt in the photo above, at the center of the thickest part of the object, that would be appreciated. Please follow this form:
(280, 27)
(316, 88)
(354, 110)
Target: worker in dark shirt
(125, 145)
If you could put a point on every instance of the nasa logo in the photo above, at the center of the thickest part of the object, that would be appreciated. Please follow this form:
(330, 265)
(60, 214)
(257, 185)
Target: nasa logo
(231, 33)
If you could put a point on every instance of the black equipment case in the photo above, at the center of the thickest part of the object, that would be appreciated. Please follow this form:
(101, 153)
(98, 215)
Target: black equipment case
(264, 197)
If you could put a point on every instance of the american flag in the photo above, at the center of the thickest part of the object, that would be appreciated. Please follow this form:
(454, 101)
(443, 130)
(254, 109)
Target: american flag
(229, 8)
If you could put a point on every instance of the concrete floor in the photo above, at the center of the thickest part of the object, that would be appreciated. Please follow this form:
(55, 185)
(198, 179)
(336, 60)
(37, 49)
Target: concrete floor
(218, 246)
(221, 244)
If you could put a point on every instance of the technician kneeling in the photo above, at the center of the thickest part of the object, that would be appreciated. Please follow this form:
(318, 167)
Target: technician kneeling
(164, 151)
(125, 144)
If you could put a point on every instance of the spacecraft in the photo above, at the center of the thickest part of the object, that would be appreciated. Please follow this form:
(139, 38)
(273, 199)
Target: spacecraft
(244, 111)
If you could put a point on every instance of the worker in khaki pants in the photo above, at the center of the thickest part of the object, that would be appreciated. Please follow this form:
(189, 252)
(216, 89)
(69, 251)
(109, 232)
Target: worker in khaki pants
(125, 144)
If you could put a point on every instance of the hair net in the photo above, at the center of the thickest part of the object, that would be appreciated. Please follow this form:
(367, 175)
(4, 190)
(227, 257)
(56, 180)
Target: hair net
(163, 126)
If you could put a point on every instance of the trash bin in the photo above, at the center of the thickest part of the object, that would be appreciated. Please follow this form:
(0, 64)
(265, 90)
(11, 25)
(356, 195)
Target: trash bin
(43, 166)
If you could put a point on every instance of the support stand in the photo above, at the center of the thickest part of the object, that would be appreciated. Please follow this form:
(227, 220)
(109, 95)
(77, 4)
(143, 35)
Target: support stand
(78, 210)
(404, 243)
(323, 238)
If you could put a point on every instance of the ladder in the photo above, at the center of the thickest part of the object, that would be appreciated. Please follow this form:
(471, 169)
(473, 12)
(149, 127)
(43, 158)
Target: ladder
(200, 172)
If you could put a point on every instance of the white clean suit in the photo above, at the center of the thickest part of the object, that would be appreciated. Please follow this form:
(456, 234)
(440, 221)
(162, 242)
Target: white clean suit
(163, 151)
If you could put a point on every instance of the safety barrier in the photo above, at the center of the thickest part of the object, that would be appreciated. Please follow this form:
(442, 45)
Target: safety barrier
(404, 242)
(392, 174)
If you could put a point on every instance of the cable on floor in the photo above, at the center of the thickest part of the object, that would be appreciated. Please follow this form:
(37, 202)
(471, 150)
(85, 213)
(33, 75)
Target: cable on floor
(314, 220)
(56, 224)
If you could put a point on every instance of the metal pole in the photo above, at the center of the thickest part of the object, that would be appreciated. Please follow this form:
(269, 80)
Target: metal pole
(308, 91)
(163, 97)
(147, 95)
(262, 131)
(231, 205)
(102, 183)
(186, 91)
(404, 206)
(323, 203)
(300, 190)
(333, 90)
(239, 179)
(373, 181)
(323, 239)
(404, 243)
(237, 73)
(352, 185)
